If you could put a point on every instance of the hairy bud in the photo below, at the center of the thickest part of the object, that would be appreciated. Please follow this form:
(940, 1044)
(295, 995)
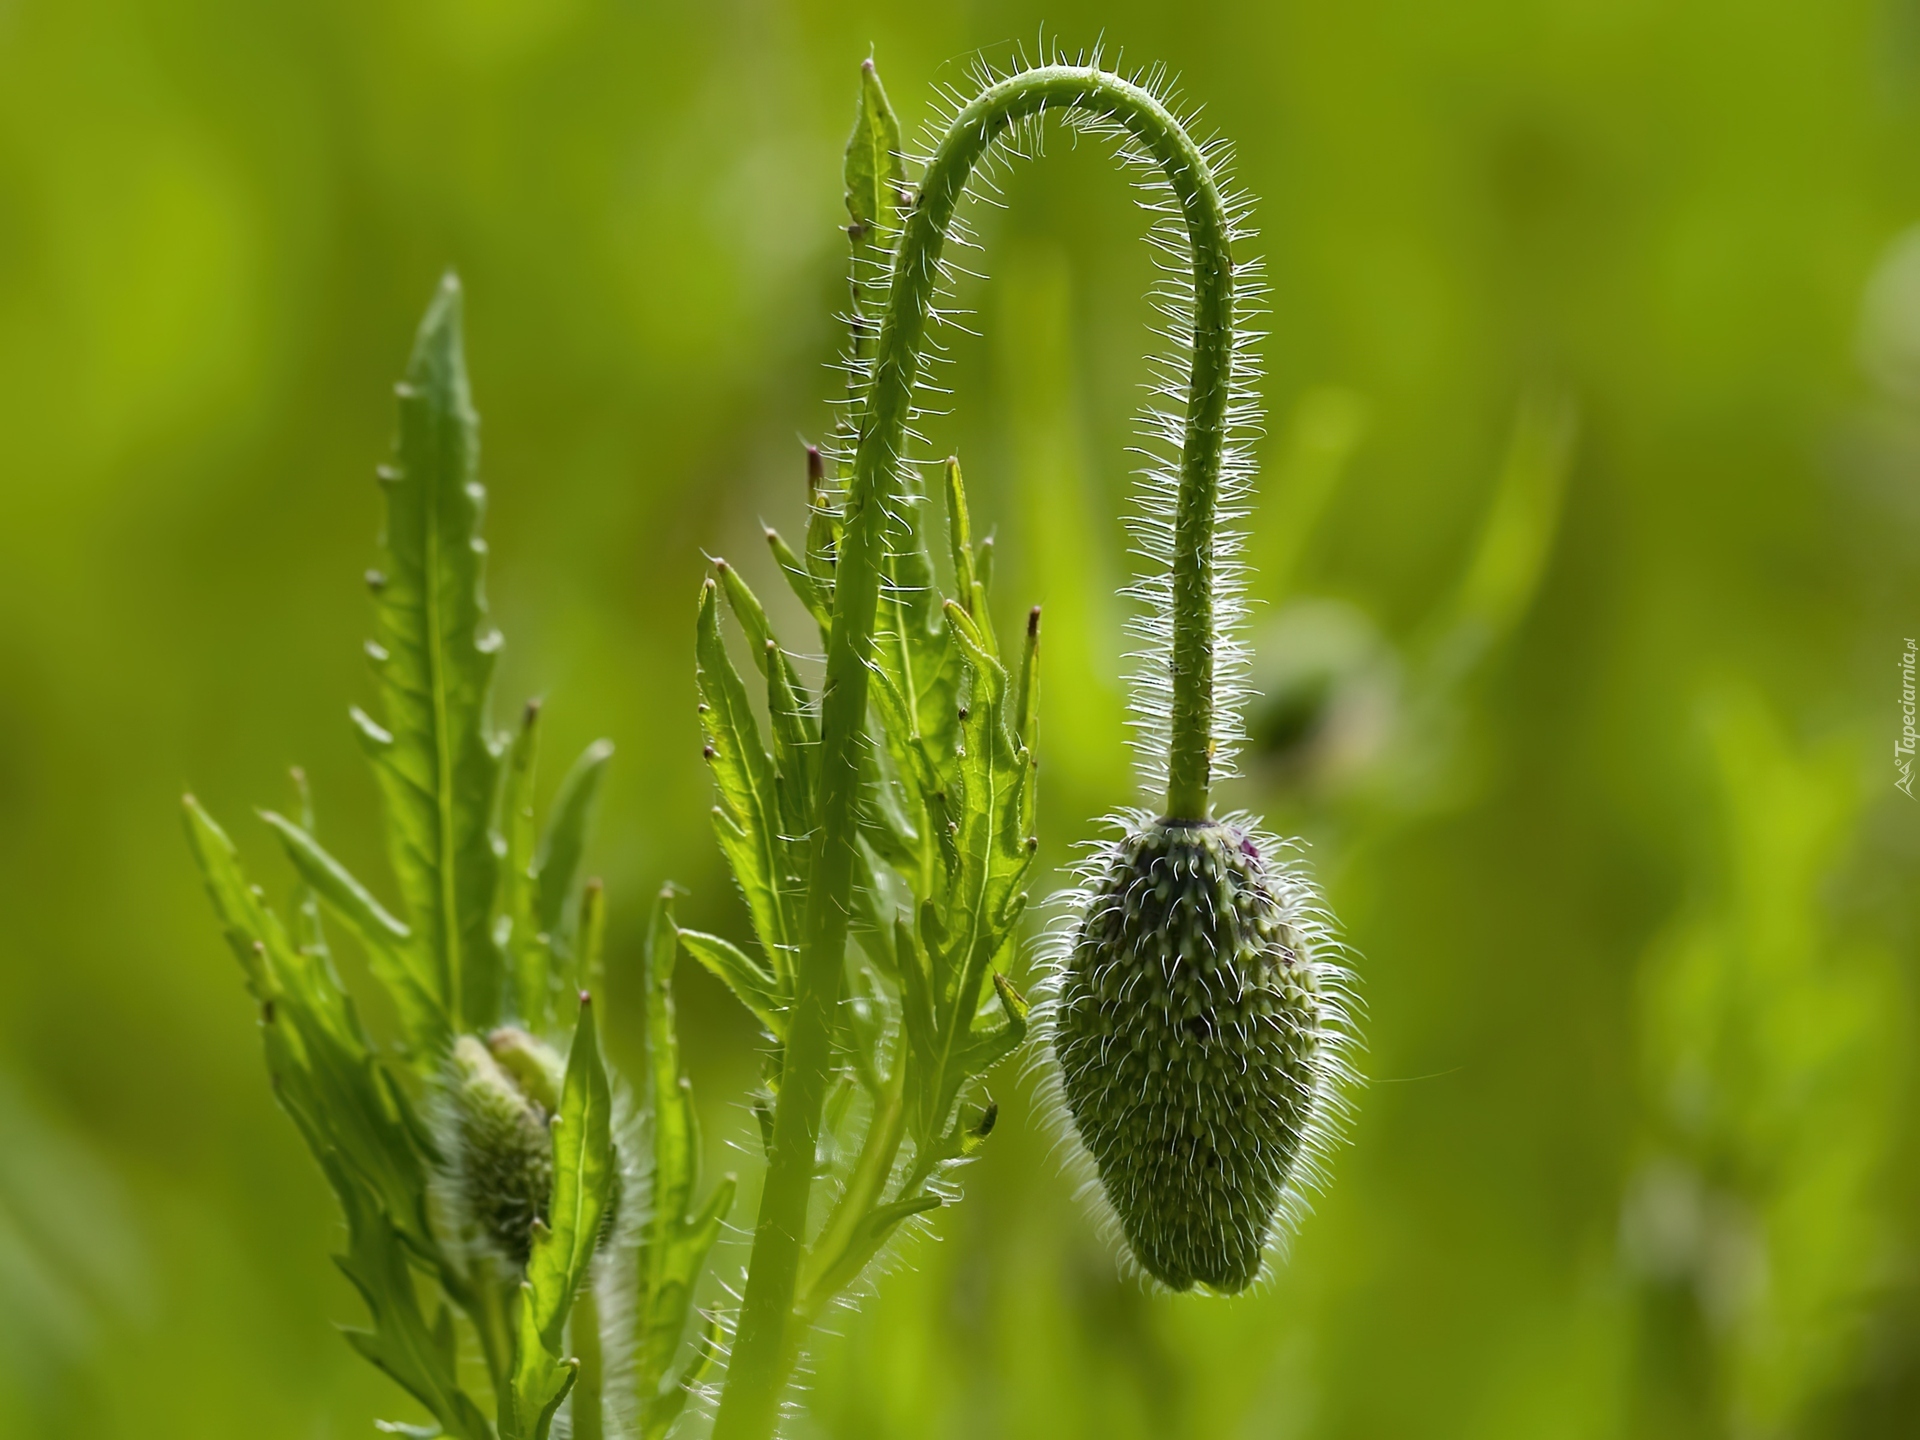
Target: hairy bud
(1191, 1035)
(504, 1169)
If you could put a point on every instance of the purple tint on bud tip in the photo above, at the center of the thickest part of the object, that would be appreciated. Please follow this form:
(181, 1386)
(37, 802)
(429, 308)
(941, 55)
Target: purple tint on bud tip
(586, 999)
(816, 470)
(1248, 848)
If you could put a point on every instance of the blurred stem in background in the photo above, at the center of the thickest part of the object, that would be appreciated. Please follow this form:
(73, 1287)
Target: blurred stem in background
(1065, 560)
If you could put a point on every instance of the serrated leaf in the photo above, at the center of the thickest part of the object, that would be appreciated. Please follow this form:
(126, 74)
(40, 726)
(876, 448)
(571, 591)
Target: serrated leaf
(986, 883)
(747, 819)
(565, 840)
(395, 961)
(401, 1343)
(324, 1070)
(434, 651)
(795, 732)
(752, 986)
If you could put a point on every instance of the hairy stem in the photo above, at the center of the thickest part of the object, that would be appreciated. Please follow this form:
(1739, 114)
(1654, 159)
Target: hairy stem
(767, 1340)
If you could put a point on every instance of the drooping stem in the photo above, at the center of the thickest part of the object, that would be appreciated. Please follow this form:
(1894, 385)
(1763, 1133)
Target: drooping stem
(767, 1338)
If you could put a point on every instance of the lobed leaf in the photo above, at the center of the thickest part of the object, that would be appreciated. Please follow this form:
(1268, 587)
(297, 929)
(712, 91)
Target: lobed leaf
(761, 992)
(434, 652)
(395, 961)
(324, 1070)
(796, 735)
(747, 820)
(421, 1359)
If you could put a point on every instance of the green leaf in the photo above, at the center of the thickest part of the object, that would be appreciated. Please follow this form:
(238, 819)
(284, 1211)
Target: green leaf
(529, 956)
(1026, 695)
(960, 543)
(796, 736)
(658, 1414)
(986, 883)
(676, 1154)
(676, 1269)
(800, 580)
(563, 1247)
(395, 961)
(309, 932)
(540, 1379)
(565, 840)
(875, 175)
(591, 970)
(747, 820)
(759, 991)
(987, 1048)
(434, 652)
(421, 1359)
(324, 1070)
(583, 1166)
(916, 985)
(673, 1245)
(823, 515)
(356, 1121)
(883, 1219)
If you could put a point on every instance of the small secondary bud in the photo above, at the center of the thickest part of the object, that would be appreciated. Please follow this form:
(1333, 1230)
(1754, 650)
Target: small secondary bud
(1189, 1036)
(504, 1165)
(506, 1103)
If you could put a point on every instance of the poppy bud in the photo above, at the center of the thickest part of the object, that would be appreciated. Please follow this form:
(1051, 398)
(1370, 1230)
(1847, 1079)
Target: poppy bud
(1194, 1044)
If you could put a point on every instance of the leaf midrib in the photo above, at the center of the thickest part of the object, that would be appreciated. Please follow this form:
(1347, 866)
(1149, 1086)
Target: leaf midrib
(443, 750)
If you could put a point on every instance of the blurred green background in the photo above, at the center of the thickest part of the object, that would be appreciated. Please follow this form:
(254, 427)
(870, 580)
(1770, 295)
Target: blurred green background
(1588, 524)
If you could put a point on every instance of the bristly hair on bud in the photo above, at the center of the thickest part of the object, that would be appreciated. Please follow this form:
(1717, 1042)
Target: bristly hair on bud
(1199, 1022)
(1196, 1010)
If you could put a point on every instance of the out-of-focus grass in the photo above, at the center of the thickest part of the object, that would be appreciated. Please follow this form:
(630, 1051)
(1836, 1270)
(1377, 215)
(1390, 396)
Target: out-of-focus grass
(217, 225)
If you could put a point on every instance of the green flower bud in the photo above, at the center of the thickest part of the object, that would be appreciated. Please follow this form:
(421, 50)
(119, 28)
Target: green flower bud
(1196, 1039)
(504, 1153)
(532, 1064)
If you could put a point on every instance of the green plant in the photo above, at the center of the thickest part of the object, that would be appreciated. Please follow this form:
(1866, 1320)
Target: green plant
(882, 836)
(471, 1159)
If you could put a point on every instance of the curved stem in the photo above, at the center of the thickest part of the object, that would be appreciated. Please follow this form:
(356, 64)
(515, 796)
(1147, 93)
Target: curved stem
(766, 1341)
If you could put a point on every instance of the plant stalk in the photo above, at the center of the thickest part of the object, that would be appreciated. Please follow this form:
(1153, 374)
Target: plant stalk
(768, 1339)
